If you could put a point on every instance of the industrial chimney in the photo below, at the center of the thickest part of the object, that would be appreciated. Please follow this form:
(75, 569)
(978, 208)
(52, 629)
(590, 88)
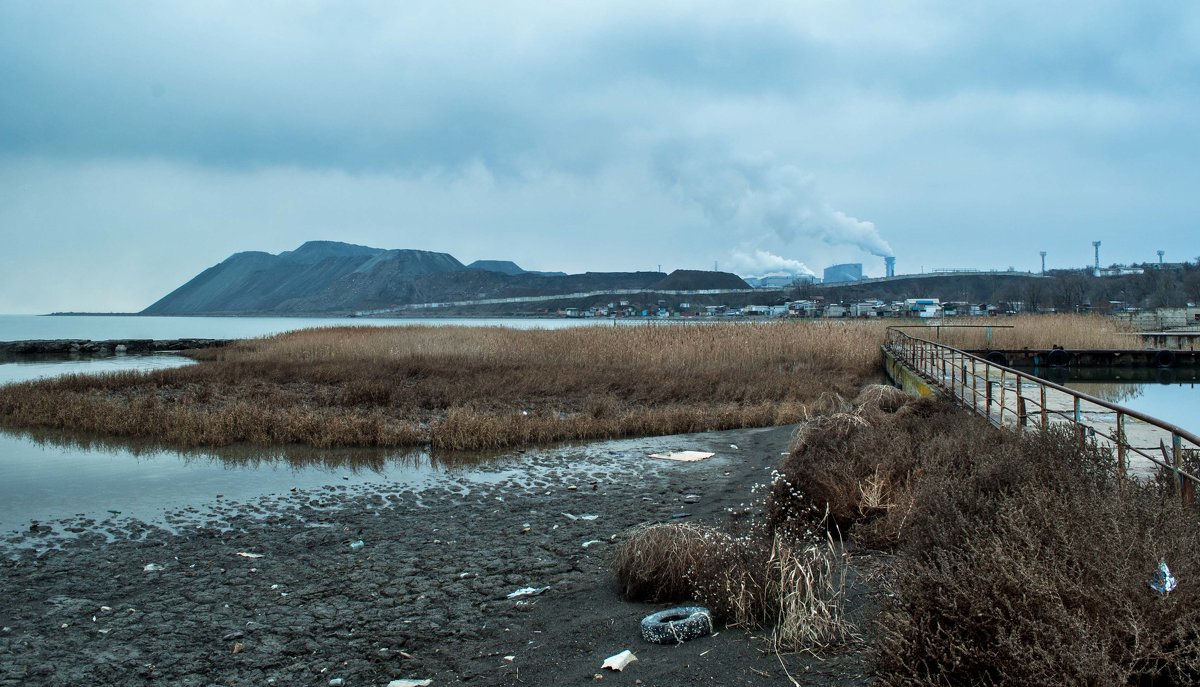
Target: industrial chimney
(889, 266)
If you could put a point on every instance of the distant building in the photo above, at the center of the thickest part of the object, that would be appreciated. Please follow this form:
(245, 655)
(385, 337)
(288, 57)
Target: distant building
(922, 307)
(851, 271)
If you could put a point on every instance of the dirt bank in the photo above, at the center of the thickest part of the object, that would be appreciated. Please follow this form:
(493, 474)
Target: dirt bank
(424, 596)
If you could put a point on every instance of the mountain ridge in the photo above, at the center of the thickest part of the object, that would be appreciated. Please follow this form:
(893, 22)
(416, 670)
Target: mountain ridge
(330, 277)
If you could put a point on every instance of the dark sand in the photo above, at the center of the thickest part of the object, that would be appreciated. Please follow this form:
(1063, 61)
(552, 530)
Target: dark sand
(424, 597)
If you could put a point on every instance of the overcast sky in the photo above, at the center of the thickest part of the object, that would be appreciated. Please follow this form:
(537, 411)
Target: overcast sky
(142, 142)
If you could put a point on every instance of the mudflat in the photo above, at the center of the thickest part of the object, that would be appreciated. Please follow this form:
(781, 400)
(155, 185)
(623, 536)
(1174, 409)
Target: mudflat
(425, 595)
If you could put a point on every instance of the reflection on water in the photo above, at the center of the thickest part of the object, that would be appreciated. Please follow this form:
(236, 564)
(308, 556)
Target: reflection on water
(1121, 393)
(1169, 394)
(41, 368)
(250, 457)
(47, 475)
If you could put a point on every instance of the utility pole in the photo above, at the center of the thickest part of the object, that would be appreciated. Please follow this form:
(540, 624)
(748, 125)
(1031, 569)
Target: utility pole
(1043, 254)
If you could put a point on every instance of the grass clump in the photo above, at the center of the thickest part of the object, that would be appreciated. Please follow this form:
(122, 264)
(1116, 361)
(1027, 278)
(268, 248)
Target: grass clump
(794, 587)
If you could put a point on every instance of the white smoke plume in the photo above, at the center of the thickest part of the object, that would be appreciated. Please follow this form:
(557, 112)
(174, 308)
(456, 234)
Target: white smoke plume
(761, 263)
(751, 196)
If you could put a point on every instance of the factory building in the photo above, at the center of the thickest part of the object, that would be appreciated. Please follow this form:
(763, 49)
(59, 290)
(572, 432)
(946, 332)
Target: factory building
(851, 271)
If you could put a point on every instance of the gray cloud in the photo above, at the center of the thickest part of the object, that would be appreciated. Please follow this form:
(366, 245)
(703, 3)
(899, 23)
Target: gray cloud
(612, 135)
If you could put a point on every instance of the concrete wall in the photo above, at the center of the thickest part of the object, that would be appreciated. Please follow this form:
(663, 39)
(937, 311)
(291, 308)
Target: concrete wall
(901, 376)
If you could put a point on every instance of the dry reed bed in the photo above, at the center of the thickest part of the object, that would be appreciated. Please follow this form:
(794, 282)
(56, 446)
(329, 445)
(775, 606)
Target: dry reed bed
(1033, 331)
(464, 388)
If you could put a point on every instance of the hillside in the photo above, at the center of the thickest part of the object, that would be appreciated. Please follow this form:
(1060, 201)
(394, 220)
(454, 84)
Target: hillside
(316, 272)
(327, 277)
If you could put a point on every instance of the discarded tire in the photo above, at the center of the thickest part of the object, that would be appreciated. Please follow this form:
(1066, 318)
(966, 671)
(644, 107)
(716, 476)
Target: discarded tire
(997, 357)
(1164, 358)
(677, 625)
(1058, 358)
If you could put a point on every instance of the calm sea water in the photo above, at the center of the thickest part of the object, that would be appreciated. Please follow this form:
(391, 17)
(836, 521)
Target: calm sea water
(50, 477)
(99, 328)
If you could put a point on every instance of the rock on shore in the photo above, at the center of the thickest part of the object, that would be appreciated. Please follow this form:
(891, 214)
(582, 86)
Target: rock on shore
(88, 347)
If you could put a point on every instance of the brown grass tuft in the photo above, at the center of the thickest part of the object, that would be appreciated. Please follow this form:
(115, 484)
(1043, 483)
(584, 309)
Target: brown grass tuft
(660, 562)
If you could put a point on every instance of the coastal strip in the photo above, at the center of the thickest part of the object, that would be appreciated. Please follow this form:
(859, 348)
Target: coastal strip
(109, 347)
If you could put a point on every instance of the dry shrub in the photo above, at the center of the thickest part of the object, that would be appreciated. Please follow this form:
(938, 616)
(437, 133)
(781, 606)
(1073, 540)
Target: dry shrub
(858, 467)
(881, 397)
(795, 588)
(1028, 563)
(660, 562)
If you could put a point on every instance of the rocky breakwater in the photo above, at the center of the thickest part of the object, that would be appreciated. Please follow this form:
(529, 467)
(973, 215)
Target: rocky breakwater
(100, 349)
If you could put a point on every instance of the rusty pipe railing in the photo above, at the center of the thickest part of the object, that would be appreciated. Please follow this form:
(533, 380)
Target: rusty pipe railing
(1011, 398)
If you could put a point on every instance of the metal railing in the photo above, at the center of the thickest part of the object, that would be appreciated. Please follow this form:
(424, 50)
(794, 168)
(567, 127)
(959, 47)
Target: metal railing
(1014, 399)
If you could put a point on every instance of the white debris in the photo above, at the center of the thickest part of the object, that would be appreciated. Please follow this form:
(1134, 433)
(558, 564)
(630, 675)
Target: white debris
(1164, 582)
(619, 661)
(733, 446)
(590, 542)
(684, 456)
(586, 516)
(356, 545)
(528, 591)
(410, 683)
(152, 567)
(247, 554)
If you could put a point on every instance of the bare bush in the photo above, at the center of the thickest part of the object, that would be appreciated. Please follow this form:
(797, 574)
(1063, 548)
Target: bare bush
(659, 562)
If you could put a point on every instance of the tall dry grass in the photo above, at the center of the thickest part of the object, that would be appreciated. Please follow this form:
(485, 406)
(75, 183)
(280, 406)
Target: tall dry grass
(1032, 331)
(465, 388)
(795, 587)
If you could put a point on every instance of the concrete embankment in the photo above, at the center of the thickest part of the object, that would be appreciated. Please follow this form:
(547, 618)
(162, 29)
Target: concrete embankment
(88, 347)
(1087, 358)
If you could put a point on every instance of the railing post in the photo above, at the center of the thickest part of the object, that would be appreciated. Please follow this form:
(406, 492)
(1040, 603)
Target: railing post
(974, 388)
(1045, 418)
(963, 379)
(1002, 389)
(1022, 418)
(1079, 422)
(1121, 444)
(1184, 484)
(987, 395)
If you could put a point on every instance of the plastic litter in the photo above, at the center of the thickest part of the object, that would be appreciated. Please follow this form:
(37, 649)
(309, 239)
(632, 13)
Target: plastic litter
(152, 567)
(247, 554)
(410, 683)
(528, 591)
(619, 661)
(733, 446)
(1163, 581)
(684, 456)
(590, 542)
(356, 545)
(585, 516)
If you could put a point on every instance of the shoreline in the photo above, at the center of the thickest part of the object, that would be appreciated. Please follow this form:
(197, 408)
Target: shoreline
(424, 597)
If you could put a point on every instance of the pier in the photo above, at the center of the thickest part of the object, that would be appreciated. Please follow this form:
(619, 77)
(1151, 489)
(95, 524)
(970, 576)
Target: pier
(1142, 445)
